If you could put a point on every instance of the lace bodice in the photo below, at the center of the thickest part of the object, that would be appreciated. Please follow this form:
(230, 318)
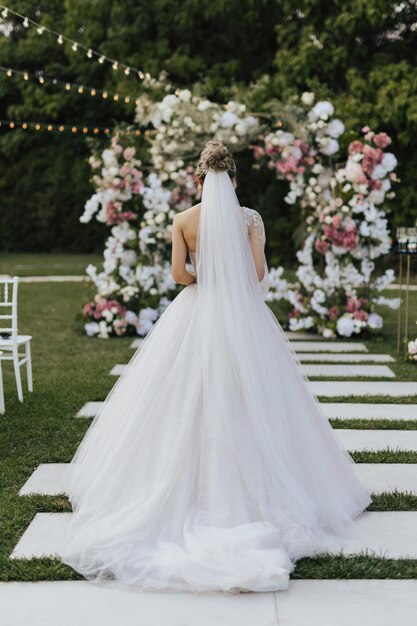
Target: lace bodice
(254, 225)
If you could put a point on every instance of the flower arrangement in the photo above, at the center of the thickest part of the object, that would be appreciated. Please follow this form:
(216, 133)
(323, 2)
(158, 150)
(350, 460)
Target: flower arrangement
(340, 202)
(346, 230)
(412, 350)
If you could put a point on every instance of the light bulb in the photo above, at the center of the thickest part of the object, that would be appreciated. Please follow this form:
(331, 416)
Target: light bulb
(93, 92)
(85, 130)
(40, 29)
(24, 125)
(127, 99)
(25, 76)
(26, 22)
(115, 65)
(80, 89)
(11, 124)
(41, 80)
(127, 71)
(74, 129)
(68, 86)
(74, 46)
(115, 97)
(61, 128)
(9, 73)
(60, 39)
(5, 12)
(102, 59)
(50, 127)
(104, 94)
(89, 53)
(141, 75)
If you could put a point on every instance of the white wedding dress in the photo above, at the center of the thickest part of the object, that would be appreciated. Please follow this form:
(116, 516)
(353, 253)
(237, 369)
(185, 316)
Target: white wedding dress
(211, 465)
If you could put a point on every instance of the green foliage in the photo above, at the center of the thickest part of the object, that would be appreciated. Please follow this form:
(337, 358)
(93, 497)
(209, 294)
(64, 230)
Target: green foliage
(359, 54)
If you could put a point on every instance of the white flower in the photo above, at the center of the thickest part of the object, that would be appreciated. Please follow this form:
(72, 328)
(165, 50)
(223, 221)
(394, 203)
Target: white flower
(307, 98)
(91, 328)
(345, 326)
(375, 321)
(389, 162)
(412, 347)
(228, 119)
(322, 110)
(335, 128)
(328, 333)
(329, 147)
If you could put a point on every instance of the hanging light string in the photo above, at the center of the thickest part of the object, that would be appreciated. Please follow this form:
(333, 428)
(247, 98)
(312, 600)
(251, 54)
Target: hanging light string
(41, 79)
(92, 54)
(74, 129)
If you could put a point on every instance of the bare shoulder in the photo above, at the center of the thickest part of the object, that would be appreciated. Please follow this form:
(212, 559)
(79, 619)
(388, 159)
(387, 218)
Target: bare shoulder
(187, 214)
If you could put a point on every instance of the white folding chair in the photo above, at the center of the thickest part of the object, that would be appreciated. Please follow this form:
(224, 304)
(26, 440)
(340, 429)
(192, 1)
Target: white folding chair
(1, 389)
(10, 340)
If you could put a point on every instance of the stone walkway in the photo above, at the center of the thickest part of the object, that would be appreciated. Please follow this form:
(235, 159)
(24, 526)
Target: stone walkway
(388, 534)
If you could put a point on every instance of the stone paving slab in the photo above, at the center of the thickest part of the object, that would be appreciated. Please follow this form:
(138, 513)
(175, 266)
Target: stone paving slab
(355, 439)
(304, 603)
(342, 410)
(348, 603)
(348, 371)
(390, 534)
(306, 357)
(90, 409)
(336, 371)
(358, 410)
(329, 346)
(48, 478)
(82, 603)
(332, 389)
(136, 342)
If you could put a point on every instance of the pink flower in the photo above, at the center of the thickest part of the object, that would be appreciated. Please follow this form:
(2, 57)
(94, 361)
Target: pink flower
(366, 129)
(87, 308)
(360, 315)
(355, 147)
(382, 140)
(129, 153)
(321, 246)
(333, 312)
(336, 220)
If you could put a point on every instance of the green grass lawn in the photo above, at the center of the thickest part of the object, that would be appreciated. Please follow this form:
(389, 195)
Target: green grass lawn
(70, 369)
(35, 264)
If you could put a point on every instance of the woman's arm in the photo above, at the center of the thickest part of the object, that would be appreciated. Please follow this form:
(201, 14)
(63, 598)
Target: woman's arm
(179, 255)
(257, 244)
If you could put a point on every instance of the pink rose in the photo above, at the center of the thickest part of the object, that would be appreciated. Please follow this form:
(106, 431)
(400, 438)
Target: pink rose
(382, 140)
(360, 315)
(129, 153)
(366, 129)
(333, 312)
(321, 246)
(355, 147)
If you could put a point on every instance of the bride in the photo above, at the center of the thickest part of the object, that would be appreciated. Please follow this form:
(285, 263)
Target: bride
(211, 465)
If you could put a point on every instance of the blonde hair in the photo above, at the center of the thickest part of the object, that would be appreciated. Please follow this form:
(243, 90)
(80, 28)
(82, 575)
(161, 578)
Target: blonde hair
(215, 156)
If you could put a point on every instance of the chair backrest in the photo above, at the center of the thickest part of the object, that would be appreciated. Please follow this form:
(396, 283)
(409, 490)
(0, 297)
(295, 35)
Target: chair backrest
(8, 307)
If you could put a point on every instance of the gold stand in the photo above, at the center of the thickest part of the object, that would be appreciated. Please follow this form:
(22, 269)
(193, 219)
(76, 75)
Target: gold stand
(407, 301)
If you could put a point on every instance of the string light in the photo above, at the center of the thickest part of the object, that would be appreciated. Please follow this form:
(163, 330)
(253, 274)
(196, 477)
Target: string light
(75, 45)
(43, 80)
(73, 129)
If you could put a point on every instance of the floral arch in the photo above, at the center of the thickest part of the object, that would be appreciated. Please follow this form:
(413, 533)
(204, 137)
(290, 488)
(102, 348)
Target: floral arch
(340, 197)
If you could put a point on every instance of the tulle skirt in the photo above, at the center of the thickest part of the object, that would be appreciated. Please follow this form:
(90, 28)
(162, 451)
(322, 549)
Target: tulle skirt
(177, 486)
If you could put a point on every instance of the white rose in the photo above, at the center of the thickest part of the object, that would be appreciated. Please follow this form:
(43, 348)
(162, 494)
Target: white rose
(389, 162)
(307, 98)
(91, 328)
(345, 326)
(335, 128)
(375, 321)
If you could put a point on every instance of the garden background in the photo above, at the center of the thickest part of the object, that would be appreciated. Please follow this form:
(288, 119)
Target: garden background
(360, 55)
